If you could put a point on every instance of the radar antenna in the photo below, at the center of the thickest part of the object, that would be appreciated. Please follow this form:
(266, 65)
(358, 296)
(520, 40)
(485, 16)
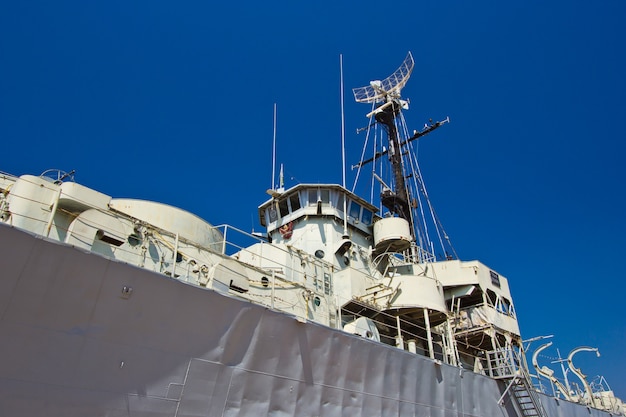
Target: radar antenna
(378, 91)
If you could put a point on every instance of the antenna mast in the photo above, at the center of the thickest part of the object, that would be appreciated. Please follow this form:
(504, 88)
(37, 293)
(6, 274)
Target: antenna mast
(405, 192)
(387, 92)
(343, 149)
(274, 152)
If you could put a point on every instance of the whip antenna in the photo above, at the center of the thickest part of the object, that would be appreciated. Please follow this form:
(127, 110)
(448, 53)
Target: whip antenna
(343, 149)
(274, 152)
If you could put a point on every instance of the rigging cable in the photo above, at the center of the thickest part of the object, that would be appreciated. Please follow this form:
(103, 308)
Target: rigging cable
(437, 221)
(422, 227)
(377, 143)
(422, 190)
(367, 135)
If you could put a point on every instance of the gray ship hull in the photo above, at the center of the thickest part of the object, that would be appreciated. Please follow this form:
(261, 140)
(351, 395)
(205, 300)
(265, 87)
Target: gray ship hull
(81, 335)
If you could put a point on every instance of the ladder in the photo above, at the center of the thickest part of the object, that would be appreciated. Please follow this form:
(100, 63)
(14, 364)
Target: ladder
(526, 398)
(504, 364)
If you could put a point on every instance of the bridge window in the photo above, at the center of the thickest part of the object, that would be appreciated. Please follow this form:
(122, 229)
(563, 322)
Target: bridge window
(294, 200)
(340, 199)
(355, 210)
(312, 197)
(288, 205)
(325, 196)
(263, 218)
(316, 195)
(272, 214)
(283, 207)
(366, 217)
(507, 307)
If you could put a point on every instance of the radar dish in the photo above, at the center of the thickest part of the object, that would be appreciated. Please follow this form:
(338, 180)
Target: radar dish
(378, 91)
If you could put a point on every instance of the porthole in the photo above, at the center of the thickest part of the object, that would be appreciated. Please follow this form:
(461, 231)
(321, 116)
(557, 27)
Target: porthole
(134, 240)
(273, 215)
(265, 282)
(319, 253)
(317, 301)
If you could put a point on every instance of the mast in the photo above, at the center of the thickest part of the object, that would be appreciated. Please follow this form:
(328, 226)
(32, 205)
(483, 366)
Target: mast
(396, 201)
(405, 197)
(387, 92)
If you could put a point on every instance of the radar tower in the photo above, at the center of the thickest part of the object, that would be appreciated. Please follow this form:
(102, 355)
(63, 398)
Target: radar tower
(403, 196)
(387, 92)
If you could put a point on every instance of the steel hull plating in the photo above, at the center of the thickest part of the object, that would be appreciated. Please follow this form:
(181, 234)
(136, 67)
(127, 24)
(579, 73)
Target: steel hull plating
(81, 335)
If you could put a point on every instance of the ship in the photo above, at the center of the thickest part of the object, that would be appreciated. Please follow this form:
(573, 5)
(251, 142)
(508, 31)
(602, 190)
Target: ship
(345, 305)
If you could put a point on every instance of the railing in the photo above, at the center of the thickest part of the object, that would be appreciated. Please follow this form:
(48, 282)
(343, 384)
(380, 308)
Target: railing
(503, 363)
(277, 279)
(506, 364)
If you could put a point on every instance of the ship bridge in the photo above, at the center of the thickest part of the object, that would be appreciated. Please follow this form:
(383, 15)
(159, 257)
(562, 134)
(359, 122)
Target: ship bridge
(329, 211)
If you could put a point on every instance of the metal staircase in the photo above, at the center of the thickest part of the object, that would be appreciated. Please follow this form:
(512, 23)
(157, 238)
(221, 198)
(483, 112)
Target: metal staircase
(505, 364)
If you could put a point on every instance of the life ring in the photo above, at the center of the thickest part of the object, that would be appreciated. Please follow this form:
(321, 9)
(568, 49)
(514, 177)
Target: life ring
(286, 230)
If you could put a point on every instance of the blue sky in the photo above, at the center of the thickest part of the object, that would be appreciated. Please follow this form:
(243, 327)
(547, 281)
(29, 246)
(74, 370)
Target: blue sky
(173, 102)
